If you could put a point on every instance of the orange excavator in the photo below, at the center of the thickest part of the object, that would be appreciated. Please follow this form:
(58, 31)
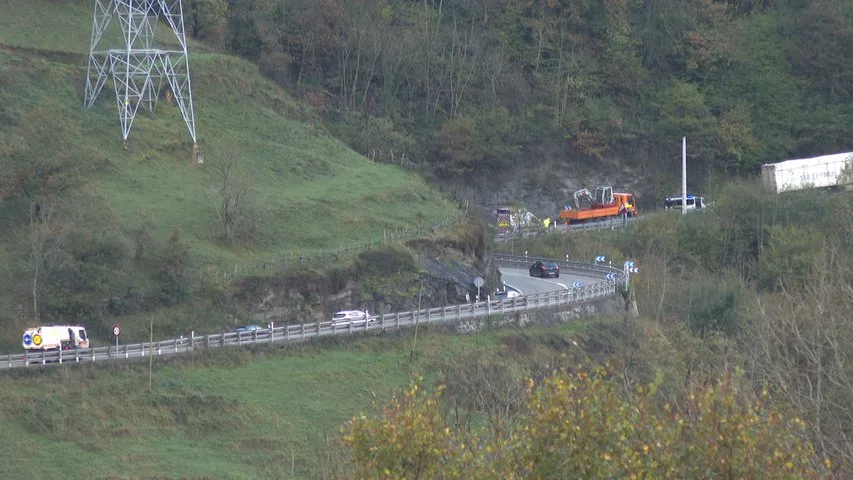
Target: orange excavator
(604, 205)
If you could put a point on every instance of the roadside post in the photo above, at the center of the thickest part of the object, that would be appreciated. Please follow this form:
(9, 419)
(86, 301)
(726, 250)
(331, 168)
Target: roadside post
(479, 282)
(116, 333)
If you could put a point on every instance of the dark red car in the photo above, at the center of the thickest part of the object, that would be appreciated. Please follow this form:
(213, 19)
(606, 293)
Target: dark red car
(544, 269)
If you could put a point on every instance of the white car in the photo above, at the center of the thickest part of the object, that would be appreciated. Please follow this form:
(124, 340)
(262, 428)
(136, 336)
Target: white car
(350, 317)
(504, 294)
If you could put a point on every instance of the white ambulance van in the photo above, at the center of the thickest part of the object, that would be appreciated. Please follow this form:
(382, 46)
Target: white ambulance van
(55, 337)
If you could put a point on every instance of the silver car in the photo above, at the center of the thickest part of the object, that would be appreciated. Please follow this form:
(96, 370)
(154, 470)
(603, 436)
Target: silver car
(350, 317)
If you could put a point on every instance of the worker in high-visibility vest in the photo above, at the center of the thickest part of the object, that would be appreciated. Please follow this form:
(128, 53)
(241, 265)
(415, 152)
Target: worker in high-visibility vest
(546, 222)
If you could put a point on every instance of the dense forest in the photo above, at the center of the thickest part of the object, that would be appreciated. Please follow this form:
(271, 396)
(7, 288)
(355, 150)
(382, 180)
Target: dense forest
(464, 86)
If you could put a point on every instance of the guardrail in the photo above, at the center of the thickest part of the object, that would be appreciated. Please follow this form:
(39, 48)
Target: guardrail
(536, 230)
(301, 332)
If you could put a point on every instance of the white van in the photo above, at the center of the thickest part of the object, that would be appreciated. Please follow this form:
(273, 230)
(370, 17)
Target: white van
(350, 317)
(693, 203)
(55, 337)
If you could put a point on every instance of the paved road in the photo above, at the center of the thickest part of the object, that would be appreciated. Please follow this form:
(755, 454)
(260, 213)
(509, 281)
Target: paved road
(539, 293)
(520, 278)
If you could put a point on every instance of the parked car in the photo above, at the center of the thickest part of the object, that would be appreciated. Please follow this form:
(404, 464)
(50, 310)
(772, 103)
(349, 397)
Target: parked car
(505, 294)
(544, 269)
(247, 328)
(350, 317)
(693, 203)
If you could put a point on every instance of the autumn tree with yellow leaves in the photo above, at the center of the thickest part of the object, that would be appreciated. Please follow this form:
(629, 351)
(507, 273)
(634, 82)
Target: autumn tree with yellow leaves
(585, 425)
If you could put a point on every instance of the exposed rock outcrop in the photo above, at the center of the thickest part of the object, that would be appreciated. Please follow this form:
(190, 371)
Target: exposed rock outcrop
(422, 273)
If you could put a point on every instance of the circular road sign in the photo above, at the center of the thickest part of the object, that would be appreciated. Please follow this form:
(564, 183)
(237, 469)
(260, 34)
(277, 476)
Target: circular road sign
(479, 282)
(37, 339)
(28, 339)
(116, 330)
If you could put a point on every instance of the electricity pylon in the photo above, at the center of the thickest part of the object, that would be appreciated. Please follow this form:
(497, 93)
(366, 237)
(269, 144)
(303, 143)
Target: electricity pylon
(139, 68)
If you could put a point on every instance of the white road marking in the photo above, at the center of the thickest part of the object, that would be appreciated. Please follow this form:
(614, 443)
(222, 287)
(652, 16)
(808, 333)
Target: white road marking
(555, 283)
(537, 278)
(514, 288)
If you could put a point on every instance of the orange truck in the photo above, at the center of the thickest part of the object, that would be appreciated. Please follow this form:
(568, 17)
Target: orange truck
(604, 205)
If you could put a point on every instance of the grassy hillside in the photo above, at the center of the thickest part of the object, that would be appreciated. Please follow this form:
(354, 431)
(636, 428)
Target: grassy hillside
(59, 26)
(235, 414)
(306, 191)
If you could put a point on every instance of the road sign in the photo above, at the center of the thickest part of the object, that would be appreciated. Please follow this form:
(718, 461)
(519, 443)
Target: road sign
(630, 267)
(576, 284)
(479, 282)
(611, 276)
(28, 339)
(600, 258)
(116, 330)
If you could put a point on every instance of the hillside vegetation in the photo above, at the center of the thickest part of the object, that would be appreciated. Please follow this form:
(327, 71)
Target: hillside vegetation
(738, 365)
(92, 222)
(581, 89)
(739, 361)
(261, 413)
(763, 284)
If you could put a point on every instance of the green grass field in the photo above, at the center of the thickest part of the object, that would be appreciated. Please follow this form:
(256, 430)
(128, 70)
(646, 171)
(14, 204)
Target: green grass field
(58, 26)
(264, 413)
(311, 191)
(308, 191)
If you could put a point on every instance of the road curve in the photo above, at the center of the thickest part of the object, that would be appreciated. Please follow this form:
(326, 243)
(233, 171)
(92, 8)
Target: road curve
(538, 294)
(520, 278)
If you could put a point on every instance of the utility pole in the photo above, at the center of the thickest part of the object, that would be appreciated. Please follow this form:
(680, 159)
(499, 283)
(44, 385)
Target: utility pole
(417, 322)
(683, 175)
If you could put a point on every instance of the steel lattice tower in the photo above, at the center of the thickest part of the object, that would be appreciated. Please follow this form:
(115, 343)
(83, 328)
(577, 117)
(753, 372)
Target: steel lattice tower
(139, 68)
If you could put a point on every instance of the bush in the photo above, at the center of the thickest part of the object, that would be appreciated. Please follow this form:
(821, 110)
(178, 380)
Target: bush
(585, 425)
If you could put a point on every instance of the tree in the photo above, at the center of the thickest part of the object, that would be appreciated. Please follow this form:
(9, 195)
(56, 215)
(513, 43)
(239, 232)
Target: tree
(801, 341)
(233, 202)
(44, 235)
(408, 440)
(460, 149)
(736, 141)
(587, 425)
(207, 19)
(789, 258)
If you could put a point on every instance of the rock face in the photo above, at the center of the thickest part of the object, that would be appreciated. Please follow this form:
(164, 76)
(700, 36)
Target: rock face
(457, 279)
(545, 190)
(425, 272)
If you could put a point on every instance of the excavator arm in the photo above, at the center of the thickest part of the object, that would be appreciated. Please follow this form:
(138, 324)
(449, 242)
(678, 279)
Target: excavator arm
(583, 194)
